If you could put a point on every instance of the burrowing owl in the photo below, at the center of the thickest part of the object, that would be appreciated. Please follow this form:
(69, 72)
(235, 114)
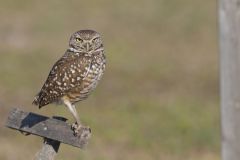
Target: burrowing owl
(76, 74)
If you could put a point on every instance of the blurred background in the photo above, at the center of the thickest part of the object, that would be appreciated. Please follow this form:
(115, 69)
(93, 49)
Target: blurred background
(158, 99)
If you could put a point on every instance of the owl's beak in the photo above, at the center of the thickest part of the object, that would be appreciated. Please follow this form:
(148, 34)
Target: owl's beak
(87, 46)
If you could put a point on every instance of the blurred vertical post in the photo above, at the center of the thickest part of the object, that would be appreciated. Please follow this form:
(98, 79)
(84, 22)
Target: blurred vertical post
(229, 21)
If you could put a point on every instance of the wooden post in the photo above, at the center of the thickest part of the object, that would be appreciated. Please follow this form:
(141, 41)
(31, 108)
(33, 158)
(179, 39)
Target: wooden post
(49, 150)
(229, 21)
(53, 130)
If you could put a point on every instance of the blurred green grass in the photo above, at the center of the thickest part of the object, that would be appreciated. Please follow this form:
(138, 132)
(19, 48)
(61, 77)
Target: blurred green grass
(159, 96)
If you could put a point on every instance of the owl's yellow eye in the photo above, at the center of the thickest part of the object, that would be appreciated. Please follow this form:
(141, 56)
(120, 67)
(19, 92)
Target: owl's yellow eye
(79, 40)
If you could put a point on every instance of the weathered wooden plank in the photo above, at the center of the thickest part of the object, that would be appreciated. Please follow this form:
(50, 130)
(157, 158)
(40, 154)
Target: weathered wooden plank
(45, 127)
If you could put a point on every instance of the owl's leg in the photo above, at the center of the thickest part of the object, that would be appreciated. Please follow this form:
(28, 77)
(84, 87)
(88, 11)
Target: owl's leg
(78, 128)
(73, 111)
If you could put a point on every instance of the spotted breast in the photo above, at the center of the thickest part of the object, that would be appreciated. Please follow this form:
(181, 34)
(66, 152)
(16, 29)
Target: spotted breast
(73, 76)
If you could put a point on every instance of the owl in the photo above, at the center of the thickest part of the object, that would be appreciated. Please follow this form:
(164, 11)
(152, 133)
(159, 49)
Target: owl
(75, 75)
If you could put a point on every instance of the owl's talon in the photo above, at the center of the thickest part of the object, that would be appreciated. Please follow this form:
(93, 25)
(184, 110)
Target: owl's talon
(83, 132)
(74, 126)
(80, 131)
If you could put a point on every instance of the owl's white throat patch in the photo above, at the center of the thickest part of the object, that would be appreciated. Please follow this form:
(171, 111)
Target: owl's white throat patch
(73, 50)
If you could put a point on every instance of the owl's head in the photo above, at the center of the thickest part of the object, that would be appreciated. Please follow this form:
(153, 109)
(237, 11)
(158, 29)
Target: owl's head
(86, 41)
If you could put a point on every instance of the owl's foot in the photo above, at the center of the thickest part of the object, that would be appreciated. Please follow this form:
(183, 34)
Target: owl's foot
(81, 131)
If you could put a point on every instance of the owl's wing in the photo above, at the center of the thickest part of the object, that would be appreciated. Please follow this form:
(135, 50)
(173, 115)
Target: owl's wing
(65, 73)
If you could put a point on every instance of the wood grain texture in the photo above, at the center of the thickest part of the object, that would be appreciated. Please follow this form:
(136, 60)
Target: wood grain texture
(45, 127)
